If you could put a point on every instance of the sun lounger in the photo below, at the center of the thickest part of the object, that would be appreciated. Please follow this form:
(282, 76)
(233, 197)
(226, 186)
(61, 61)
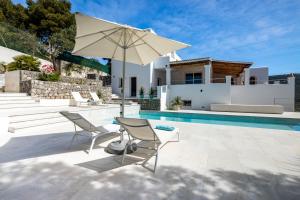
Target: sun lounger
(90, 130)
(96, 99)
(153, 140)
(79, 100)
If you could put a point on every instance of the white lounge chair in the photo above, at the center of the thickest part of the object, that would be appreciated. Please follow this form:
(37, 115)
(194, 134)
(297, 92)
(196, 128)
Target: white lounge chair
(79, 100)
(96, 99)
(92, 131)
(140, 129)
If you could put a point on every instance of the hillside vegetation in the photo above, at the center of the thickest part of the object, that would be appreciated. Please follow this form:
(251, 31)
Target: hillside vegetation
(43, 28)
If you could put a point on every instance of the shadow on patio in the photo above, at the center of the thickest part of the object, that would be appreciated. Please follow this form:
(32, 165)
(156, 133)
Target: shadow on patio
(61, 181)
(24, 147)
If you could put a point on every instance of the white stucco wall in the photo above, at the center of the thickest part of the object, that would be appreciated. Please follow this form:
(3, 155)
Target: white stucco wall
(162, 94)
(146, 75)
(161, 62)
(142, 74)
(264, 94)
(7, 55)
(211, 93)
(261, 74)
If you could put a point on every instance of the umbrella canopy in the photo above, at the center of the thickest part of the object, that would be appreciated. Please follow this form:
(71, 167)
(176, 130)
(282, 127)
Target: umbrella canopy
(101, 38)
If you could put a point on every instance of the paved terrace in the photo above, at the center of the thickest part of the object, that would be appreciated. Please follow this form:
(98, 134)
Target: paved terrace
(210, 162)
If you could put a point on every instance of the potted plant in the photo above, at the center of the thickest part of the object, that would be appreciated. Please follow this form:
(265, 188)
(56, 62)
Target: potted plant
(151, 93)
(141, 93)
(176, 103)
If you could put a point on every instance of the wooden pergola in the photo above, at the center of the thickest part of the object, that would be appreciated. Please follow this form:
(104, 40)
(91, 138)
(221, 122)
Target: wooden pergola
(220, 68)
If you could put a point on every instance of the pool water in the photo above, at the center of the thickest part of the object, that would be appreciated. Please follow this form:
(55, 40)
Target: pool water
(231, 120)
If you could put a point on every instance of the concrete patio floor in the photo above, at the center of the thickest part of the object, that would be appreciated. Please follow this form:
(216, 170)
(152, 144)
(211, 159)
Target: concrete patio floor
(210, 162)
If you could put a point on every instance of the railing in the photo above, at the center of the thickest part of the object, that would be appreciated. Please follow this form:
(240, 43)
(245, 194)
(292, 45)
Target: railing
(184, 82)
(233, 81)
(260, 82)
(278, 81)
(218, 80)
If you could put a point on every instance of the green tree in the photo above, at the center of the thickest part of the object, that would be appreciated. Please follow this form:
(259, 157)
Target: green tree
(47, 17)
(16, 15)
(60, 42)
(20, 40)
(24, 62)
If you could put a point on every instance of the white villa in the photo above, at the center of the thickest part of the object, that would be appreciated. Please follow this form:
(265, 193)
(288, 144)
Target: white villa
(204, 81)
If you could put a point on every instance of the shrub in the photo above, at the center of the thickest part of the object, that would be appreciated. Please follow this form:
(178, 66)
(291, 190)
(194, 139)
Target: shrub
(47, 69)
(151, 93)
(141, 92)
(176, 103)
(24, 62)
(3, 67)
(49, 77)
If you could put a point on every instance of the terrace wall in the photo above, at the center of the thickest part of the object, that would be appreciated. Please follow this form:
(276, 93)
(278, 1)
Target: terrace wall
(201, 95)
(265, 94)
(62, 90)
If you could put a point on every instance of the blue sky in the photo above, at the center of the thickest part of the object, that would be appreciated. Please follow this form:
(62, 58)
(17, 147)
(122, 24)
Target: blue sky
(266, 32)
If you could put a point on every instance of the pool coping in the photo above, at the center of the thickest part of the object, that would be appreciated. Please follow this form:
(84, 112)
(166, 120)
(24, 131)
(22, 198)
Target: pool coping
(285, 115)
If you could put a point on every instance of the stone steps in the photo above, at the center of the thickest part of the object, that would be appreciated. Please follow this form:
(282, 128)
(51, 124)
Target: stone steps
(19, 105)
(11, 94)
(18, 101)
(34, 116)
(24, 112)
(36, 121)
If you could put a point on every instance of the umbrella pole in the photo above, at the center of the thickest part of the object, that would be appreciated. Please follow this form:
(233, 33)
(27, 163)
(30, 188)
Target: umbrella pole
(123, 84)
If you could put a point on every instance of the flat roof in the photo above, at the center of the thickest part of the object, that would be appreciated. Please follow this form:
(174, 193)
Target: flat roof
(195, 60)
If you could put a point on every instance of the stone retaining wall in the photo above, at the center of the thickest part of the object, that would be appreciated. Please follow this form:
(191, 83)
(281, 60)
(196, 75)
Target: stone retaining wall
(61, 90)
(149, 104)
(29, 75)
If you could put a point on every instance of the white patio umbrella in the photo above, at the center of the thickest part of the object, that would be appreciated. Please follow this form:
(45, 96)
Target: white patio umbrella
(101, 38)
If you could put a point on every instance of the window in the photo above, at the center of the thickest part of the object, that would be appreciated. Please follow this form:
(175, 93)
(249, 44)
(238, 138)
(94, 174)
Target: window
(232, 81)
(120, 82)
(197, 78)
(252, 80)
(193, 78)
(91, 76)
(187, 103)
(189, 78)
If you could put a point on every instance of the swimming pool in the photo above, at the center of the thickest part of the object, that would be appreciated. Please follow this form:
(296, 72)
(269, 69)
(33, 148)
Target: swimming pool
(232, 120)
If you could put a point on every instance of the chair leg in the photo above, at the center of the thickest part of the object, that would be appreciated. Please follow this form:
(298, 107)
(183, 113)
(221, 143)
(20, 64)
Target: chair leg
(74, 136)
(155, 164)
(92, 144)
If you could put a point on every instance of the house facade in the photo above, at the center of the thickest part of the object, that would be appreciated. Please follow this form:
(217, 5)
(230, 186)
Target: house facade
(204, 81)
(137, 76)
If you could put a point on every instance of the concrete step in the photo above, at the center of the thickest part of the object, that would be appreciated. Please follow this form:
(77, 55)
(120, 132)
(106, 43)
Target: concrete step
(31, 117)
(13, 127)
(11, 94)
(36, 110)
(26, 101)
(19, 105)
(49, 128)
(14, 98)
